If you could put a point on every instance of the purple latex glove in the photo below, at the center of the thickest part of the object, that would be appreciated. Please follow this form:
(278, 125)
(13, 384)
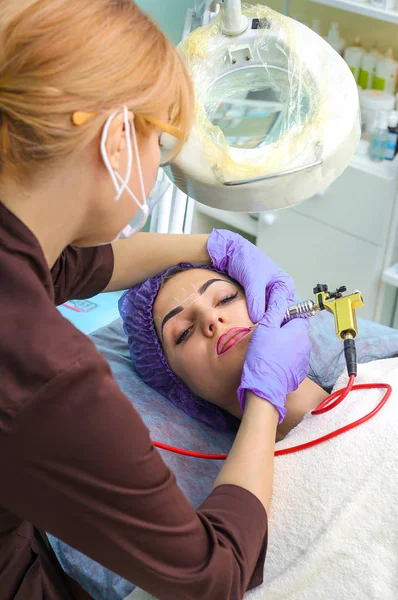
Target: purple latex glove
(265, 284)
(276, 362)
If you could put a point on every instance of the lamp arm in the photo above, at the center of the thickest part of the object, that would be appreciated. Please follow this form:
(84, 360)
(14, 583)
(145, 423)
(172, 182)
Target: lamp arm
(235, 22)
(199, 9)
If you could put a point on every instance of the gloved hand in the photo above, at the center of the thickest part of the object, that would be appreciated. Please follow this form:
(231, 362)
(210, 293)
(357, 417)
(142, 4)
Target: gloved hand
(276, 362)
(265, 284)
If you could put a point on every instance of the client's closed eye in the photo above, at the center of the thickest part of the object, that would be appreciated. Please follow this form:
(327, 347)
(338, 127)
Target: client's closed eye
(183, 335)
(186, 333)
(228, 299)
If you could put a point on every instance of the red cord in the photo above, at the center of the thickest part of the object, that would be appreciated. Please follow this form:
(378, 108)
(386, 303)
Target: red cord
(324, 406)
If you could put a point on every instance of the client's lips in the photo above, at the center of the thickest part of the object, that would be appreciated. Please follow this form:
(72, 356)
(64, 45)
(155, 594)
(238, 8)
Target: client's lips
(229, 339)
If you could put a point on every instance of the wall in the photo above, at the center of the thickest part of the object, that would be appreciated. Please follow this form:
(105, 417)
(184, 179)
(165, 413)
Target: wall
(168, 14)
(351, 25)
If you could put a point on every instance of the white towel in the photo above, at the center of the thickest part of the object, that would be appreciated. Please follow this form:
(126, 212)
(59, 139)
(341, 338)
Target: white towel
(333, 523)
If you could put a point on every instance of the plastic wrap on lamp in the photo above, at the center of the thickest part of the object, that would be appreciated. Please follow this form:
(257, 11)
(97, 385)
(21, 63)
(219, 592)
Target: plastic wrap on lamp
(277, 108)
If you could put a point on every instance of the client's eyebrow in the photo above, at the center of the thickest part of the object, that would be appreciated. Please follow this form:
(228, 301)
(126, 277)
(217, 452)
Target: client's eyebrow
(201, 291)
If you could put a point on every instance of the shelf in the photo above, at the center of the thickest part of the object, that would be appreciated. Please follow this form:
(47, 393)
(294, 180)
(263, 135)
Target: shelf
(241, 221)
(388, 169)
(362, 8)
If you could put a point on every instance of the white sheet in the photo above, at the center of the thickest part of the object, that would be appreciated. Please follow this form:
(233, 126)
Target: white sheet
(333, 524)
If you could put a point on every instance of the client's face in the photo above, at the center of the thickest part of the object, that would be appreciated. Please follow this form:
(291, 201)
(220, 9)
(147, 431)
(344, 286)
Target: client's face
(202, 321)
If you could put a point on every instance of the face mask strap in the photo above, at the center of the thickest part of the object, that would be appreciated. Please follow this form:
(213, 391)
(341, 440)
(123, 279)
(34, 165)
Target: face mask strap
(127, 176)
(127, 189)
(120, 183)
(104, 153)
(144, 202)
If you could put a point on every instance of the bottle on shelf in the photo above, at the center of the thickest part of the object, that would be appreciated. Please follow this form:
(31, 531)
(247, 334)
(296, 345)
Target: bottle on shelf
(386, 73)
(372, 103)
(334, 39)
(378, 144)
(316, 26)
(392, 141)
(353, 56)
(368, 68)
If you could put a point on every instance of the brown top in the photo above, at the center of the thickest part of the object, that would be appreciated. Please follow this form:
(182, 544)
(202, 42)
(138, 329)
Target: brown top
(77, 461)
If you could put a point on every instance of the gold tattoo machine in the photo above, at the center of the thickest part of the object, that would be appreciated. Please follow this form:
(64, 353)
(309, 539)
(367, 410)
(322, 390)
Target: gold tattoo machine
(342, 308)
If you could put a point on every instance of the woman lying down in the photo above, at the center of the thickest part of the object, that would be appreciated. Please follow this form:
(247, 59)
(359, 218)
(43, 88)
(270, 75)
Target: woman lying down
(333, 524)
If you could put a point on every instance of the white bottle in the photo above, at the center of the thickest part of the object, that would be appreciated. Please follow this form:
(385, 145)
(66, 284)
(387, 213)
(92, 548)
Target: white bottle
(367, 71)
(368, 67)
(353, 57)
(375, 51)
(334, 38)
(316, 26)
(372, 103)
(385, 79)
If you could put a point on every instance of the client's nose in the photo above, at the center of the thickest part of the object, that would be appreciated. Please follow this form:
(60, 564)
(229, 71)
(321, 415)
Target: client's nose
(211, 322)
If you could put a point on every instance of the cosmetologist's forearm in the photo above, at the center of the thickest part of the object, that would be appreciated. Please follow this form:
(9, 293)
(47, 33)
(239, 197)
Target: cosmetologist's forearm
(146, 254)
(250, 462)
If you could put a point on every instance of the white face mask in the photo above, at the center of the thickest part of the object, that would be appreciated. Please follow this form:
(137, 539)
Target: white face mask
(120, 183)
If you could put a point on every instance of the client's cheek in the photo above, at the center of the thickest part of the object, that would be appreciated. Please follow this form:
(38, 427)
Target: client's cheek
(190, 373)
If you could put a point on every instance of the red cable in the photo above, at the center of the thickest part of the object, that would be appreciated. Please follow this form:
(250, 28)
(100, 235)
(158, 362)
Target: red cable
(324, 406)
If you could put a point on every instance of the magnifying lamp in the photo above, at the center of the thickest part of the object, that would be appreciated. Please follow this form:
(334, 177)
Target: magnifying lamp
(277, 112)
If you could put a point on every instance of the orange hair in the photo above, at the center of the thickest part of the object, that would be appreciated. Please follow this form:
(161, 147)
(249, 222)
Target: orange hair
(62, 56)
